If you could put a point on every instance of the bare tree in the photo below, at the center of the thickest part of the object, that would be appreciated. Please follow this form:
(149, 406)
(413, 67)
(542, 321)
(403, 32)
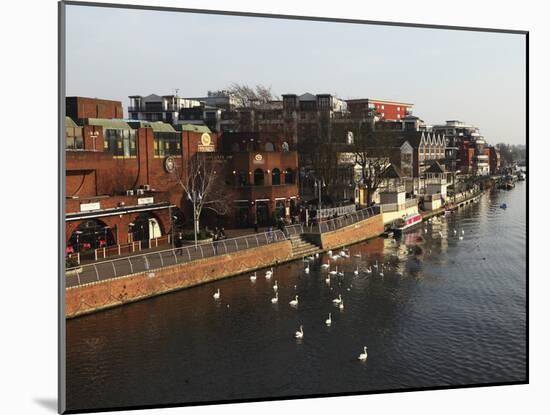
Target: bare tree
(372, 152)
(204, 188)
(246, 96)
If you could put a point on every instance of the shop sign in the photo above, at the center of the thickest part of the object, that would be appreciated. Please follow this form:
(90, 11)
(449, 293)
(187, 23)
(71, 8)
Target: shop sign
(206, 144)
(85, 207)
(258, 159)
(145, 200)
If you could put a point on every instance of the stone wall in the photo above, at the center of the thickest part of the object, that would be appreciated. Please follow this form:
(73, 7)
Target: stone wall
(360, 231)
(117, 291)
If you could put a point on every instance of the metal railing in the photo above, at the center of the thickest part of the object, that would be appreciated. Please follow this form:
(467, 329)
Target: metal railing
(119, 267)
(339, 210)
(349, 219)
(394, 207)
(292, 230)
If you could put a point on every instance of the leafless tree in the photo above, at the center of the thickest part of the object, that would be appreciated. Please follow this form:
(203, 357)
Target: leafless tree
(246, 96)
(372, 153)
(204, 187)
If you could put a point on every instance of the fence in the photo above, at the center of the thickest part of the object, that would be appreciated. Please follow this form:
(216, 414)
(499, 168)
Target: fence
(292, 230)
(117, 250)
(144, 262)
(340, 210)
(349, 219)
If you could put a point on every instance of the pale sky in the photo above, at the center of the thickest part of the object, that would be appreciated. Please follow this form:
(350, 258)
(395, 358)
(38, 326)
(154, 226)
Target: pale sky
(475, 77)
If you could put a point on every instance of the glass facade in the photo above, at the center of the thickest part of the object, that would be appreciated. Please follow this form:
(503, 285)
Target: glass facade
(120, 142)
(167, 144)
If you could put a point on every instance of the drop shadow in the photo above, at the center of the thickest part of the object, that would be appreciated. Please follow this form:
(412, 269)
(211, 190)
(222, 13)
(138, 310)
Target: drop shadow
(48, 403)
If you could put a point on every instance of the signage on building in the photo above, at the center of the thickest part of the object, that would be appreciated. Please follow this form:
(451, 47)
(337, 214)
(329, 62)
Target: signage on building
(346, 158)
(206, 144)
(85, 207)
(145, 200)
(169, 164)
(258, 159)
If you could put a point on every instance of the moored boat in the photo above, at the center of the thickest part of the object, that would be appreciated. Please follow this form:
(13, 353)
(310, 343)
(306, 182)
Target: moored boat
(406, 222)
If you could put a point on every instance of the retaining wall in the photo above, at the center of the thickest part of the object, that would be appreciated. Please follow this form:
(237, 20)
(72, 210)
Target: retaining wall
(104, 294)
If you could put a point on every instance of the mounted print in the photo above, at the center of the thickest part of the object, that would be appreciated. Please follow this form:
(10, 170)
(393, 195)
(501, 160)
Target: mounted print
(259, 207)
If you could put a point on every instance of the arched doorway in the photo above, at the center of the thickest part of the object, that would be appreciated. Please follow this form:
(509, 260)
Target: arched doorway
(145, 227)
(258, 177)
(89, 235)
(276, 177)
(289, 176)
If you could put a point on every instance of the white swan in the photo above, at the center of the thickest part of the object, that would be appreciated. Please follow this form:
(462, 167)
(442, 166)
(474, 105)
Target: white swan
(327, 279)
(275, 286)
(275, 299)
(454, 231)
(376, 264)
(340, 273)
(357, 255)
(300, 334)
(310, 258)
(294, 302)
(329, 252)
(217, 295)
(341, 305)
(317, 255)
(269, 273)
(327, 265)
(328, 321)
(462, 231)
(338, 300)
(356, 272)
(369, 270)
(461, 237)
(363, 356)
(253, 277)
(334, 272)
(306, 269)
(381, 273)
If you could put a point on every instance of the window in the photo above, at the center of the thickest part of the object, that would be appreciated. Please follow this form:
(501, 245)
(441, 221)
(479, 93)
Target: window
(289, 176)
(276, 177)
(167, 144)
(258, 177)
(74, 140)
(120, 142)
(269, 146)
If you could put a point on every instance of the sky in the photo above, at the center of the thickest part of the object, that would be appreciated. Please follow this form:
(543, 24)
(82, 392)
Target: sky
(475, 77)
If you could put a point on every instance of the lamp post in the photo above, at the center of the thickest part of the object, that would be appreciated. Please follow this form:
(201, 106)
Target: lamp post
(78, 233)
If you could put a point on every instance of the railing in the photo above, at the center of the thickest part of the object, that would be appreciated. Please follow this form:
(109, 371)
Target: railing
(292, 230)
(348, 219)
(340, 210)
(119, 267)
(117, 250)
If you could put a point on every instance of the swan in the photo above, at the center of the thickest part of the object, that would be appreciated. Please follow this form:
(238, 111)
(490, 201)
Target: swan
(269, 273)
(253, 277)
(338, 300)
(335, 257)
(306, 270)
(376, 264)
(310, 258)
(440, 234)
(381, 271)
(300, 333)
(334, 272)
(363, 356)
(294, 302)
(217, 295)
(462, 231)
(369, 270)
(275, 286)
(329, 252)
(327, 279)
(461, 238)
(328, 321)
(317, 255)
(356, 272)
(340, 273)
(454, 231)
(425, 230)
(341, 305)
(275, 299)
(327, 265)
(357, 255)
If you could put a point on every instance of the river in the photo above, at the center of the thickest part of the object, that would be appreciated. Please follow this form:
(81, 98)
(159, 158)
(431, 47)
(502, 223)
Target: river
(450, 309)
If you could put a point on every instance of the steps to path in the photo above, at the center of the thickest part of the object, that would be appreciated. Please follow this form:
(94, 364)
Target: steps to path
(301, 247)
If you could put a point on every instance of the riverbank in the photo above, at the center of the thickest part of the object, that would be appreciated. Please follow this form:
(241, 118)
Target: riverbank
(107, 293)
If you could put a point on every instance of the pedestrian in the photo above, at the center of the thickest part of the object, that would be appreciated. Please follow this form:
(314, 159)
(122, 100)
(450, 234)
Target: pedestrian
(256, 225)
(215, 243)
(222, 233)
(179, 244)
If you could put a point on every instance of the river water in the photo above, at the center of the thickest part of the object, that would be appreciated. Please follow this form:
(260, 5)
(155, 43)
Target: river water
(447, 311)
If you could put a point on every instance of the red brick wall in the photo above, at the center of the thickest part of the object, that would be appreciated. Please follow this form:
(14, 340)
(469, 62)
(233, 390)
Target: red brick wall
(390, 110)
(118, 291)
(81, 107)
(353, 233)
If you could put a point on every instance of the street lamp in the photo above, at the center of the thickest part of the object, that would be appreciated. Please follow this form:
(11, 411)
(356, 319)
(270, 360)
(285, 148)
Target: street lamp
(78, 233)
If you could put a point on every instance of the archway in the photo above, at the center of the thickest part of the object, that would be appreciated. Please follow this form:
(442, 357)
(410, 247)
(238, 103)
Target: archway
(289, 176)
(276, 177)
(145, 227)
(89, 235)
(258, 177)
(269, 146)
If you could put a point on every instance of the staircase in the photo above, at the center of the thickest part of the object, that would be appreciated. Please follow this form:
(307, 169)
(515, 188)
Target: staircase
(301, 247)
